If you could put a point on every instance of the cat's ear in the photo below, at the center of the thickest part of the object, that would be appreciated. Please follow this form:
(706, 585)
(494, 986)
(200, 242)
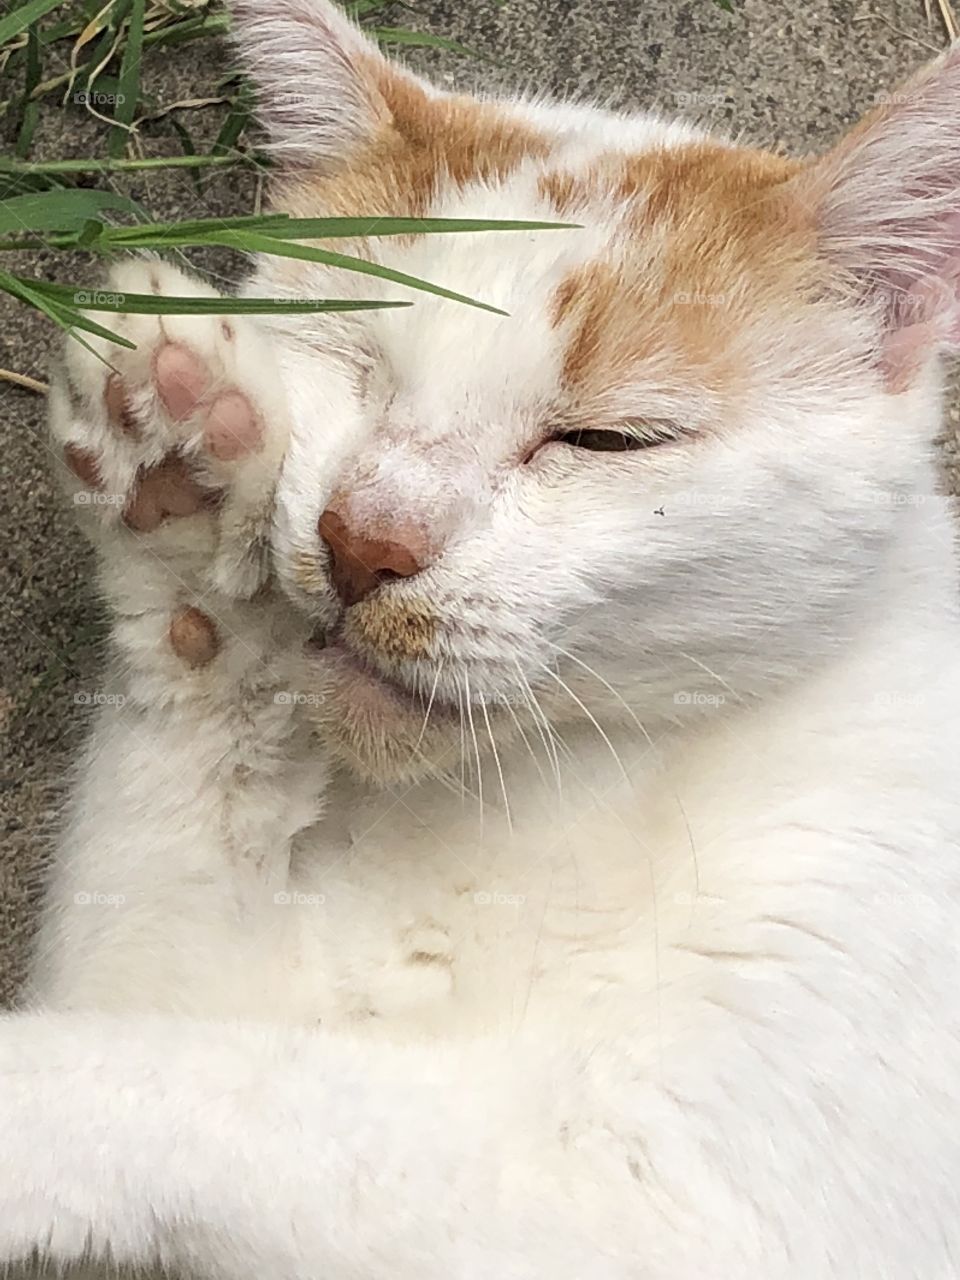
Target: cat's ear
(886, 207)
(319, 79)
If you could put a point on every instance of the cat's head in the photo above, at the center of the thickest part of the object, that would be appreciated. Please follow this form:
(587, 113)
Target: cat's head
(666, 479)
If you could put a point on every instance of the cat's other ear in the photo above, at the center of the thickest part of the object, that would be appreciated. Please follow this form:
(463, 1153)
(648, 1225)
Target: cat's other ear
(886, 207)
(318, 78)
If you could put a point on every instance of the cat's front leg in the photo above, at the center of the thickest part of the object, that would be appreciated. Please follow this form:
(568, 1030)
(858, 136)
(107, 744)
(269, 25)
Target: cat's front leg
(242, 1151)
(198, 771)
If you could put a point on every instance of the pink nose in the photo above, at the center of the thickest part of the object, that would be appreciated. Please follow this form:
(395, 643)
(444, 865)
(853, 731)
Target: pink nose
(359, 562)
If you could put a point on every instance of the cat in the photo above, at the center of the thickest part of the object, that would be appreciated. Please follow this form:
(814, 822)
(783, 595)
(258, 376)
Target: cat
(521, 836)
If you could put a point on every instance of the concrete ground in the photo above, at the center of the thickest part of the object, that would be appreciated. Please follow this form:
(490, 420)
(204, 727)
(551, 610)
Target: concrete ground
(773, 73)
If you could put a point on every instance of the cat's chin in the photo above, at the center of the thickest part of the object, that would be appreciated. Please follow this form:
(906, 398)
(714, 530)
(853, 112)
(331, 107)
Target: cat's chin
(375, 727)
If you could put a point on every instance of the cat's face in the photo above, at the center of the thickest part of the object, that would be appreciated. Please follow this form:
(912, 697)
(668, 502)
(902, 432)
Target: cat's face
(661, 483)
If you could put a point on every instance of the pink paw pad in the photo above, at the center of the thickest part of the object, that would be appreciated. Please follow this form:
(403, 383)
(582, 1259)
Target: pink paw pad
(231, 429)
(193, 637)
(182, 380)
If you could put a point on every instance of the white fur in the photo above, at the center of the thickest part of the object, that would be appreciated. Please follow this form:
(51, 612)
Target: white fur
(669, 994)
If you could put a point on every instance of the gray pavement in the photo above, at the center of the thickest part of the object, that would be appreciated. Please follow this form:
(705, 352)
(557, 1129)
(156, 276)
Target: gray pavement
(776, 73)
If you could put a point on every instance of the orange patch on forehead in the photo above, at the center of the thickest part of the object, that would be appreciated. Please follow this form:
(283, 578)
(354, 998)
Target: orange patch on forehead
(707, 241)
(585, 299)
(666, 180)
(421, 142)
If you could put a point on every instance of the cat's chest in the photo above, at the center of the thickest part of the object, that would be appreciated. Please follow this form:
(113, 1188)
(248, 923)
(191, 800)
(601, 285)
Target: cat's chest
(415, 916)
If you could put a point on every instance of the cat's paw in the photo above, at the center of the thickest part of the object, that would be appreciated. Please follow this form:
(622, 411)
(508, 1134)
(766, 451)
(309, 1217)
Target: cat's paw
(190, 423)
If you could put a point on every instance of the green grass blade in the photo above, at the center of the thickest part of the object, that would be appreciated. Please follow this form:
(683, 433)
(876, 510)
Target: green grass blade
(31, 108)
(422, 39)
(59, 210)
(11, 188)
(189, 148)
(72, 319)
(238, 117)
(53, 167)
(257, 241)
(28, 125)
(61, 303)
(348, 228)
(362, 8)
(48, 35)
(194, 28)
(281, 227)
(77, 296)
(188, 232)
(65, 317)
(102, 47)
(128, 94)
(21, 18)
(251, 242)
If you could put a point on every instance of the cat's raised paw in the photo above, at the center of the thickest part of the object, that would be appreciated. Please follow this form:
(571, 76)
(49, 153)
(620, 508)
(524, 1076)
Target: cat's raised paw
(190, 422)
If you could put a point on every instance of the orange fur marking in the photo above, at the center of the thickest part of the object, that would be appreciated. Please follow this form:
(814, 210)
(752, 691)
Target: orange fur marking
(420, 142)
(712, 241)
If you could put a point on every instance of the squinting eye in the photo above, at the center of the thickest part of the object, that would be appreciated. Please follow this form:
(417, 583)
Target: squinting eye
(600, 441)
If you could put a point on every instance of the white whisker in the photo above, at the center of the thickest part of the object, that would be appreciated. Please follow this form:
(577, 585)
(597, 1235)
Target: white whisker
(609, 687)
(476, 746)
(653, 747)
(541, 722)
(499, 767)
(526, 742)
(433, 694)
(710, 672)
(463, 740)
(590, 716)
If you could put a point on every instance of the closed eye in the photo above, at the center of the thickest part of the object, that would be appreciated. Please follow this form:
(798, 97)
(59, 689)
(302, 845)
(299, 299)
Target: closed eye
(643, 435)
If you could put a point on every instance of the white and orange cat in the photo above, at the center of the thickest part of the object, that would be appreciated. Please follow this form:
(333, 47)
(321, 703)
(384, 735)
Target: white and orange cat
(522, 840)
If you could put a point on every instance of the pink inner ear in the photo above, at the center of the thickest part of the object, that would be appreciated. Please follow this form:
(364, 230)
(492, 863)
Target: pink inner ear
(904, 353)
(887, 203)
(921, 316)
(915, 280)
(951, 281)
